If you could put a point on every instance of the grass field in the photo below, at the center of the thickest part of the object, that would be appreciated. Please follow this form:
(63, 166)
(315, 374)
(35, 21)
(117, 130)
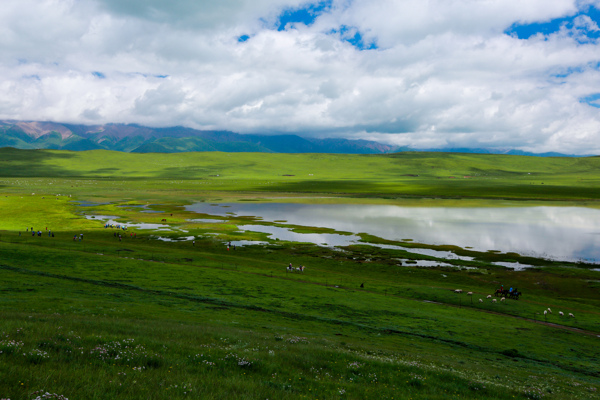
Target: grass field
(140, 318)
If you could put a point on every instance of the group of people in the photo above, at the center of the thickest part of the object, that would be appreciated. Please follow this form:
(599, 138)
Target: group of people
(509, 290)
(132, 235)
(118, 226)
(290, 268)
(38, 233)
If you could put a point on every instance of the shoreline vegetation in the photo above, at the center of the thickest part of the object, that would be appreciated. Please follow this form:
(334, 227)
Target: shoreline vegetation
(101, 316)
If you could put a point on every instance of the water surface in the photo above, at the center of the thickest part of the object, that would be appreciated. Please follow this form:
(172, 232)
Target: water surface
(558, 233)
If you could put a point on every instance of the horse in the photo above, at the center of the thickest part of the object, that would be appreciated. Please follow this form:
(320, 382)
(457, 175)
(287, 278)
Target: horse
(514, 295)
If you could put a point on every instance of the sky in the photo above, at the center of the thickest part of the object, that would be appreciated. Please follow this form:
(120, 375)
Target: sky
(495, 74)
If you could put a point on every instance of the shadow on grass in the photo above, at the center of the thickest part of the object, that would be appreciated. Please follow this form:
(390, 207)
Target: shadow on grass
(32, 163)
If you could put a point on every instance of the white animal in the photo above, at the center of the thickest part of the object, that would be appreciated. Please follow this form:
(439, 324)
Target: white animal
(458, 291)
(545, 312)
(549, 310)
(571, 315)
(502, 299)
(489, 296)
(493, 300)
(469, 293)
(561, 313)
(481, 300)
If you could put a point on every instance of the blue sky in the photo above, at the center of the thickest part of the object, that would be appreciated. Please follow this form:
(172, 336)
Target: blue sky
(464, 73)
(546, 28)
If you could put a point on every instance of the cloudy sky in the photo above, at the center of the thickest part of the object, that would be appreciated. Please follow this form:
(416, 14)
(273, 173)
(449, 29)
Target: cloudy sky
(500, 74)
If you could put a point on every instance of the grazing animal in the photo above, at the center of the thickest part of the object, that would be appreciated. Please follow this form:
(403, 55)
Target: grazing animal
(458, 291)
(571, 315)
(502, 299)
(493, 300)
(561, 313)
(469, 293)
(545, 312)
(514, 295)
(549, 310)
(489, 296)
(481, 300)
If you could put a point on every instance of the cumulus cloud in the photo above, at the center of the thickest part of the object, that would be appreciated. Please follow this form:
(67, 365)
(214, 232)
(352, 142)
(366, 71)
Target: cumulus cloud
(440, 72)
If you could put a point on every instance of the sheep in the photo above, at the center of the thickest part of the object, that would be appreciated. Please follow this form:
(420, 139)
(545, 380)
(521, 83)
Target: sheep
(489, 296)
(545, 312)
(458, 291)
(469, 293)
(493, 300)
(561, 313)
(549, 310)
(571, 315)
(502, 299)
(481, 300)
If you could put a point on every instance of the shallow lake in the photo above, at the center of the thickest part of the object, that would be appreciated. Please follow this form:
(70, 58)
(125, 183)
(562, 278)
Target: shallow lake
(558, 233)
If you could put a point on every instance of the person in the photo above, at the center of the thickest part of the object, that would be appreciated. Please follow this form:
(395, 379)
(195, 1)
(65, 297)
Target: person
(193, 242)
(510, 290)
(52, 234)
(19, 233)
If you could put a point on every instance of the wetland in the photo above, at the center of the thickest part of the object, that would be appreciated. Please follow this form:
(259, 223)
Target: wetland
(558, 233)
(391, 245)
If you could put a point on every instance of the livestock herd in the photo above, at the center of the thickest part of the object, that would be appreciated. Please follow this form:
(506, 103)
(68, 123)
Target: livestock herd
(512, 294)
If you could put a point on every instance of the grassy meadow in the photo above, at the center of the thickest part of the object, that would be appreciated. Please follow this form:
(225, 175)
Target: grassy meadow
(140, 318)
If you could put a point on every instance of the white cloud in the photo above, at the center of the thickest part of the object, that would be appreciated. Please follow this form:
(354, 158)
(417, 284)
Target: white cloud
(442, 63)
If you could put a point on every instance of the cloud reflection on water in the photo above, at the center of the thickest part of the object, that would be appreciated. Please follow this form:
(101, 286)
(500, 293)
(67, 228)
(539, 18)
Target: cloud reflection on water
(562, 233)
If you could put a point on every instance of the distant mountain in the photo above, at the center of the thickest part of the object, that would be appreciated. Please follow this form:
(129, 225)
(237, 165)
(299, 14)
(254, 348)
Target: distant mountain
(494, 151)
(142, 139)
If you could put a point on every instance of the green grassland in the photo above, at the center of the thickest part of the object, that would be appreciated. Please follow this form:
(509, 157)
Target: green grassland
(397, 175)
(141, 318)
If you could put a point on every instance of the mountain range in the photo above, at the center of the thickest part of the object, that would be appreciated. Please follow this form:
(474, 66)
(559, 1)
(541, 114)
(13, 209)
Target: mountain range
(143, 139)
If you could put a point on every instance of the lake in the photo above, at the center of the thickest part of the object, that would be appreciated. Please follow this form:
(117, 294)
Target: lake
(557, 233)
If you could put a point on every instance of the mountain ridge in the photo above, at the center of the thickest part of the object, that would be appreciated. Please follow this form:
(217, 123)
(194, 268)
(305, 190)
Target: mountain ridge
(142, 139)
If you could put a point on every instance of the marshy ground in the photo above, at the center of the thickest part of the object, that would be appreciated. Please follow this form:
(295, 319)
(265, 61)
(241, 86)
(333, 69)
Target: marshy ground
(142, 318)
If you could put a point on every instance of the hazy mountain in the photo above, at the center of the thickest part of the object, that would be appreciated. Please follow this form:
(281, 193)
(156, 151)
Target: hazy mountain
(142, 139)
